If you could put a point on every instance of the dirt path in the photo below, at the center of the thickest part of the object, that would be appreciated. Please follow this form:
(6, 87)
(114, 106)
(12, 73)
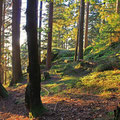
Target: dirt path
(82, 107)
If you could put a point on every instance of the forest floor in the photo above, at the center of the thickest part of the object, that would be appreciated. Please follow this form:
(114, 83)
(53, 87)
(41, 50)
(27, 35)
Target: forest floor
(69, 107)
(76, 90)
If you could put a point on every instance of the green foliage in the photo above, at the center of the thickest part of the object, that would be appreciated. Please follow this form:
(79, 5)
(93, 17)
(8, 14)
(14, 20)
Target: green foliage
(88, 50)
(104, 67)
(100, 82)
(65, 53)
(64, 25)
(54, 55)
(107, 53)
(61, 85)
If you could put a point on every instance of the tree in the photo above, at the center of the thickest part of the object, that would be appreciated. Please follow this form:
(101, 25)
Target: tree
(3, 92)
(16, 61)
(64, 24)
(118, 6)
(3, 43)
(86, 25)
(65, 15)
(1, 6)
(49, 46)
(81, 31)
(76, 46)
(32, 94)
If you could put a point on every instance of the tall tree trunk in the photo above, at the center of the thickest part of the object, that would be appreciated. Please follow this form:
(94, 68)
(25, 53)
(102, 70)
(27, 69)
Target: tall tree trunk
(86, 25)
(5, 69)
(40, 27)
(1, 6)
(3, 41)
(77, 38)
(81, 31)
(76, 46)
(49, 46)
(16, 61)
(32, 94)
(3, 91)
(118, 6)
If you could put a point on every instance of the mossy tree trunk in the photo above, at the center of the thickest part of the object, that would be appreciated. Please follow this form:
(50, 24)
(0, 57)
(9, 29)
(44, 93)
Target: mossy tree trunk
(3, 91)
(32, 95)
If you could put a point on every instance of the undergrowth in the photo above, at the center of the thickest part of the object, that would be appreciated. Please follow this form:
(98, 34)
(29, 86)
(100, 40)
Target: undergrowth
(84, 77)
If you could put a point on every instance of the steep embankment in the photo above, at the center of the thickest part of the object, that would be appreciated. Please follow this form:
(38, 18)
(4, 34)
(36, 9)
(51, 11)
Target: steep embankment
(97, 75)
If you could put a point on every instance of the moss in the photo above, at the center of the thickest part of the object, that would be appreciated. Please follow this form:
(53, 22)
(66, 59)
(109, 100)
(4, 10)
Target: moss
(100, 53)
(103, 67)
(3, 91)
(88, 50)
(78, 66)
(37, 111)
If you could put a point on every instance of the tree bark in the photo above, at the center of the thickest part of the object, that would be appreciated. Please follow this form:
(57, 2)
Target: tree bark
(3, 91)
(117, 113)
(86, 25)
(49, 46)
(3, 42)
(32, 94)
(81, 31)
(118, 6)
(16, 61)
(1, 9)
(76, 46)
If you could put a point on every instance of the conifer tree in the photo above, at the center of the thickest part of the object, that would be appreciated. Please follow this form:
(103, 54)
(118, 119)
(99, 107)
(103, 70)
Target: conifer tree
(118, 6)
(1, 8)
(16, 61)
(81, 30)
(3, 92)
(32, 94)
(86, 25)
(49, 46)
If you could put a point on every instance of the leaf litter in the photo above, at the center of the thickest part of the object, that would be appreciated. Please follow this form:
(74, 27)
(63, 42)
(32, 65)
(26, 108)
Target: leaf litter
(84, 107)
